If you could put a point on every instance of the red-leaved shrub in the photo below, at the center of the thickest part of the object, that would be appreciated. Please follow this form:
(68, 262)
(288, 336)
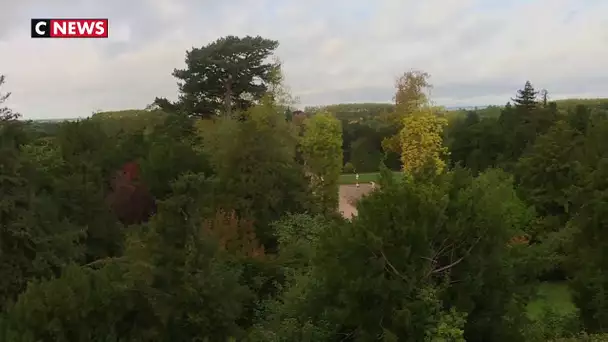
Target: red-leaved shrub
(130, 199)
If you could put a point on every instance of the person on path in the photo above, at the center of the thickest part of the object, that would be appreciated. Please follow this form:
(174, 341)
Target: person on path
(357, 178)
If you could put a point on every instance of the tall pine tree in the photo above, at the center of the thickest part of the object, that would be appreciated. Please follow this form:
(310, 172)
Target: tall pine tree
(520, 124)
(526, 98)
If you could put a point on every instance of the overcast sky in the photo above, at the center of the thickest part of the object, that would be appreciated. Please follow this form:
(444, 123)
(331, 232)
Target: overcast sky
(477, 51)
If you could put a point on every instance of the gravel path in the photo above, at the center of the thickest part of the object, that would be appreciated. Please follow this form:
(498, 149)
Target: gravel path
(349, 194)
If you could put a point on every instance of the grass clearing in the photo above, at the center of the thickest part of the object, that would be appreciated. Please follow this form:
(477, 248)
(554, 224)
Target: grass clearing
(555, 295)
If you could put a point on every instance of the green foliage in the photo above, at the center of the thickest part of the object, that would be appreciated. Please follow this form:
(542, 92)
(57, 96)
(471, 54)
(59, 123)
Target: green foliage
(298, 235)
(589, 262)
(475, 143)
(36, 239)
(257, 171)
(358, 112)
(449, 328)
(585, 338)
(322, 154)
(90, 158)
(386, 274)
(552, 296)
(172, 283)
(297, 227)
(579, 118)
(523, 122)
(490, 214)
(348, 168)
(551, 325)
(364, 155)
(132, 120)
(171, 151)
(362, 144)
(548, 171)
(488, 112)
(101, 301)
(596, 103)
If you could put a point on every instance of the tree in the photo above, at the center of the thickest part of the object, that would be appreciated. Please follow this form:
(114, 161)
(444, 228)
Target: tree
(491, 215)
(36, 238)
(228, 74)
(90, 160)
(589, 263)
(321, 147)
(526, 98)
(174, 282)
(130, 200)
(412, 91)
(475, 143)
(172, 149)
(411, 95)
(258, 175)
(278, 92)
(364, 156)
(579, 118)
(129, 121)
(523, 122)
(548, 171)
(6, 114)
(440, 266)
(422, 141)
(544, 94)
(11, 132)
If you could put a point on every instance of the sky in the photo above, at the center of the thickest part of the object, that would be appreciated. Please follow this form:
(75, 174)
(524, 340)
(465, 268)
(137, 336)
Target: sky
(478, 52)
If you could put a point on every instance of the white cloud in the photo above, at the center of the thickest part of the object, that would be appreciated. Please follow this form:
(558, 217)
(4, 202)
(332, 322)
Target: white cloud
(478, 51)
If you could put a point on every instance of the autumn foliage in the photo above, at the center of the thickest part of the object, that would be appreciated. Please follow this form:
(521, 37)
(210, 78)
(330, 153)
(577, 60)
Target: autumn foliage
(234, 235)
(519, 240)
(130, 199)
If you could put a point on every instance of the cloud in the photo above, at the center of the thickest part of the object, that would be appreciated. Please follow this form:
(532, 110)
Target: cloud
(477, 51)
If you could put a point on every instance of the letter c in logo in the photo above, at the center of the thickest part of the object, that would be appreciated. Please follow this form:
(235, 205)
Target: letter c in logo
(41, 28)
(38, 30)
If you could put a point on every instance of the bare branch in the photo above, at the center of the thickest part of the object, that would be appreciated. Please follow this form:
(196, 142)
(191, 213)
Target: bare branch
(459, 260)
(393, 268)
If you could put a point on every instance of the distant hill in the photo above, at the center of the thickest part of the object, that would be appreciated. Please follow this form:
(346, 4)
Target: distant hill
(348, 111)
(55, 120)
(597, 103)
(112, 122)
(367, 111)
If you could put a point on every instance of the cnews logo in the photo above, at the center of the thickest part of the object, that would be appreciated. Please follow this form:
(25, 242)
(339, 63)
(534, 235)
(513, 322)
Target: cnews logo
(69, 28)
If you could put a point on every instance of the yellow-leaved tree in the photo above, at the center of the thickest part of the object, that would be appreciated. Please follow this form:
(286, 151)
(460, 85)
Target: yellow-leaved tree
(420, 138)
(412, 92)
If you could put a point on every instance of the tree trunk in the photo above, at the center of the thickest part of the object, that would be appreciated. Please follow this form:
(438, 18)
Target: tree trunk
(228, 97)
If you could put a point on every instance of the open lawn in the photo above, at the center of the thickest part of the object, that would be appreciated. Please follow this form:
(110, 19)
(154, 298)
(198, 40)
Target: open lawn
(553, 295)
(349, 178)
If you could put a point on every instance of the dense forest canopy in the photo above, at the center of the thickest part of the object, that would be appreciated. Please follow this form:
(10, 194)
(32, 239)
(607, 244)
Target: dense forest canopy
(216, 217)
